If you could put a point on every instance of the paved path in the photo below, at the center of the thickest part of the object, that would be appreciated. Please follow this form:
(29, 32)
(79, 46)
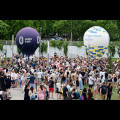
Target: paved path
(17, 94)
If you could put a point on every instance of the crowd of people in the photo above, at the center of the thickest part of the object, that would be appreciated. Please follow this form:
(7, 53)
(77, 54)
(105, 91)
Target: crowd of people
(67, 78)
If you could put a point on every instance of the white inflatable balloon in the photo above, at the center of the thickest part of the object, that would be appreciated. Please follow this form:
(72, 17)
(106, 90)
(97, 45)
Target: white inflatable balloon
(96, 40)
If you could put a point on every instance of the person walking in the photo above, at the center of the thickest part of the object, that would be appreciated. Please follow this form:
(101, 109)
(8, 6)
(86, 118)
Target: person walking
(26, 92)
(103, 91)
(32, 81)
(51, 87)
(109, 91)
(65, 92)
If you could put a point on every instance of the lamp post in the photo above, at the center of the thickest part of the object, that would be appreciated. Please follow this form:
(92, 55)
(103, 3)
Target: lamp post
(71, 32)
(12, 46)
(48, 55)
(40, 46)
(89, 50)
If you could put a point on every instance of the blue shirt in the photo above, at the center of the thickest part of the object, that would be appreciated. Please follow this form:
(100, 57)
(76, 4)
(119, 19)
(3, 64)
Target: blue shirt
(32, 79)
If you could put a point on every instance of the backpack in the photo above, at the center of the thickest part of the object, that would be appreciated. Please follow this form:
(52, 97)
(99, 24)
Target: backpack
(77, 95)
(81, 97)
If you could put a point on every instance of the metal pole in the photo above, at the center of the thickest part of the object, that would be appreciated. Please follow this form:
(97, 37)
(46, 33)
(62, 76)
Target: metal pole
(48, 55)
(6, 52)
(71, 32)
(89, 50)
(40, 42)
(12, 46)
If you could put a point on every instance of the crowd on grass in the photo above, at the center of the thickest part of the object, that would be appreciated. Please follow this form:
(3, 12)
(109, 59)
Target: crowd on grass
(66, 78)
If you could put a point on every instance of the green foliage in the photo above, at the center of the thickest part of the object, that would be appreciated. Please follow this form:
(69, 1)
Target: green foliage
(78, 44)
(53, 43)
(1, 47)
(43, 47)
(59, 44)
(51, 27)
(117, 44)
(111, 49)
(65, 46)
(19, 51)
(3, 29)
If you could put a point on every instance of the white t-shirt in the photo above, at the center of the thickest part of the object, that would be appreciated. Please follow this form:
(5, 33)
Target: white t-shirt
(12, 76)
(16, 76)
(91, 79)
(80, 77)
(19, 60)
(102, 73)
(53, 75)
(39, 74)
(5, 71)
(58, 86)
(32, 70)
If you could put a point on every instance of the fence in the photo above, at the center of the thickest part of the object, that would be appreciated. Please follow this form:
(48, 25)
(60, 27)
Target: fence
(71, 43)
(9, 42)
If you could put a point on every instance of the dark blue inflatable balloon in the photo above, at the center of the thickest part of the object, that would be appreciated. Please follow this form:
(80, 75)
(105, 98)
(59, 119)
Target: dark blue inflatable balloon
(28, 40)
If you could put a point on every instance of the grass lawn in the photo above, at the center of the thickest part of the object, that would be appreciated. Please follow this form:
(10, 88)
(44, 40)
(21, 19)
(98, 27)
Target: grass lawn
(113, 97)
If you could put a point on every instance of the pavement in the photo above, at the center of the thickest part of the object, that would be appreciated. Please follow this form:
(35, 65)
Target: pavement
(17, 94)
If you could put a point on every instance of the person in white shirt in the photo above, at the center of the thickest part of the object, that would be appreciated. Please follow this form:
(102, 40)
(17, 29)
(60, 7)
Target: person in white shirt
(59, 89)
(32, 70)
(16, 76)
(39, 75)
(90, 80)
(102, 73)
(53, 75)
(13, 78)
(80, 82)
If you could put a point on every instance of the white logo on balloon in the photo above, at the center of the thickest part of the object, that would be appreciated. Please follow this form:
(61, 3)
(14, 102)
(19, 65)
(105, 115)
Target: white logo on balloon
(38, 39)
(21, 40)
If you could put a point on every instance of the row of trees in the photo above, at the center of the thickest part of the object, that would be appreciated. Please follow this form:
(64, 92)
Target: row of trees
(61, 27)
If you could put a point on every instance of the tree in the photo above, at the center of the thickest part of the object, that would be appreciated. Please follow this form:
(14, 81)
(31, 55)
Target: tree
(109, 55)
(65, 46)
(19, 51)
(43, 47)
(3, 29)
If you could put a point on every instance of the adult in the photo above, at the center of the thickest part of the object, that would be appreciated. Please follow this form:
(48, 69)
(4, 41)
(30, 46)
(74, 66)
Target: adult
(90, 95)
(2, 82)
(80, 82)
(91, 80)
(109, 91)
(32, 93)
(51, 86)
(26, 92)
(58, 89)
(83, 75)
(103, 91)
(39, 75)
(106, 77)
(8, 83)
(32, 81)
(41, 93)
(65, 92)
